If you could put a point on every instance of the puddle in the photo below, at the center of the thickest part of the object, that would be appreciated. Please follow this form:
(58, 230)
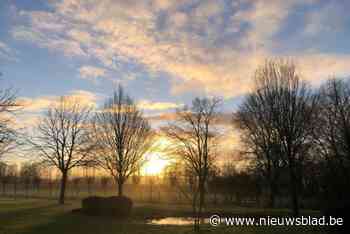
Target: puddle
(174, 221)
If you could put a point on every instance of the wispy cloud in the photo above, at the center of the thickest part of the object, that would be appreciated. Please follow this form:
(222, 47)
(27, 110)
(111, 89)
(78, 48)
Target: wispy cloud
(39, 104)
(7, 53)
(157, 106)
(204, 46)
(92, 72)
(330, 18)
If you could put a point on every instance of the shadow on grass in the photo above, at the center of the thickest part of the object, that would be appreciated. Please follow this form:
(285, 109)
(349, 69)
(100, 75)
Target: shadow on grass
(74, 223)
(55, 219)
(19, 213)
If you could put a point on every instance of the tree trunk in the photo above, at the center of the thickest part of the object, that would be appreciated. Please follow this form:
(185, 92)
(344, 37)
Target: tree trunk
(215, 197)
(272, 195)
(50, 189)
(120, 188)
(15, 189)
(201, 197)
(271, 200)
(201, 200)
(3, 189)
(195, 212)
(293, 189)
(151, 193)
(26, 190)
(271, 181)
(62, 188)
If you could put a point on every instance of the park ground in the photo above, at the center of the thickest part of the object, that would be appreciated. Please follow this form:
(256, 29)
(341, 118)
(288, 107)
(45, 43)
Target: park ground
(34, 216)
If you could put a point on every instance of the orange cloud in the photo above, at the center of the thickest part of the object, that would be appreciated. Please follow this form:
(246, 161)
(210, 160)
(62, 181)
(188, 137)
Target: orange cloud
(41, 103)
(91, 72)
(130, 31)
(149, 105)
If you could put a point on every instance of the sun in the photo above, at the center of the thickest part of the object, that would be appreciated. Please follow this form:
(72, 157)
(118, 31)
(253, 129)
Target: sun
(155, 164)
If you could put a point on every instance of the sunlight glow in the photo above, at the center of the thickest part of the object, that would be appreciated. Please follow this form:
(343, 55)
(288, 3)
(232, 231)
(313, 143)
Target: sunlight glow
(155, 164)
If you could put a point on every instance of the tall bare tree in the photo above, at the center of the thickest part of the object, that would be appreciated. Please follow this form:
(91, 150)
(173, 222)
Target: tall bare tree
(255, 120)
(291, 110)
(332, 138)
(193, 135)
(122, 136)
(62, 138)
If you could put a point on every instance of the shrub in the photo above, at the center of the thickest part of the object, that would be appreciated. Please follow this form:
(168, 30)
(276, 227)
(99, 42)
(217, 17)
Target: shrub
(118, 206)
(92, 205)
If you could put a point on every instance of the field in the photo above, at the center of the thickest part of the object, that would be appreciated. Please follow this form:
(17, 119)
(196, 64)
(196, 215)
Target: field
(34, 216)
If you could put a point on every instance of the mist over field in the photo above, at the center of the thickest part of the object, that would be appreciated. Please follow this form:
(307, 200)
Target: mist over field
(174, 116)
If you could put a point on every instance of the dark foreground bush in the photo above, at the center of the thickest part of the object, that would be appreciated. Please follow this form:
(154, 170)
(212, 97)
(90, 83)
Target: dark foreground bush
(118, 206)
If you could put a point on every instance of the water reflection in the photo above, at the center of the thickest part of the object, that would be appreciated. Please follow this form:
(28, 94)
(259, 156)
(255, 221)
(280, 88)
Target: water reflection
(173, 221)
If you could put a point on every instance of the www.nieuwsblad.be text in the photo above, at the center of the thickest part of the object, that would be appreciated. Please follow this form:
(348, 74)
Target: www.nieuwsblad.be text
(216, 220)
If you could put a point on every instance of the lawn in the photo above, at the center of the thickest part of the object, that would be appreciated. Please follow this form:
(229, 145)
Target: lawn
(46, 217)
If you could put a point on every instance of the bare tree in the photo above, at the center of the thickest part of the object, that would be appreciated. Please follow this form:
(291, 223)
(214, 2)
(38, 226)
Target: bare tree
(193, 135)
(255, 120)
(89, 178)
(104, 180)
(7, 173)
(293, 110)
(8, 105)
(76, 182)
(332, 138)
(13, 174)
(182, 181)
(4, 176)
(62, 138)
(27, 175)
(122, 136)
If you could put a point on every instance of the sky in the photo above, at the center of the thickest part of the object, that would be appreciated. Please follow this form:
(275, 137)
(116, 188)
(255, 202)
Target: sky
(164, 52)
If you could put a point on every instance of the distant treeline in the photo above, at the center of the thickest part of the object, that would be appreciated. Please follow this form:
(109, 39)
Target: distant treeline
(295, 139)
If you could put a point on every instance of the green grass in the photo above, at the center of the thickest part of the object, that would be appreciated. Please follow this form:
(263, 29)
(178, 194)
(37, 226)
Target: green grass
(46, 217)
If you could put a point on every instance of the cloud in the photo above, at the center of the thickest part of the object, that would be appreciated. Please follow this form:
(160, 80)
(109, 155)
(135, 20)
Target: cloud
(7, 53)
(39, 36)
(35, 104)
(84, 97)
(33, 108)
(162, 117)
(91, 72)
(330, 18)
(316, 67)
(26, 121)
(149, 105)
(39, 104)
(209, 47)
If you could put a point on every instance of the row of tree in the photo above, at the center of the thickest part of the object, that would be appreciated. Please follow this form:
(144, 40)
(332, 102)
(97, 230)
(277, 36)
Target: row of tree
(34, 177)
(284, 124)
(288, 126)
(115, 138)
